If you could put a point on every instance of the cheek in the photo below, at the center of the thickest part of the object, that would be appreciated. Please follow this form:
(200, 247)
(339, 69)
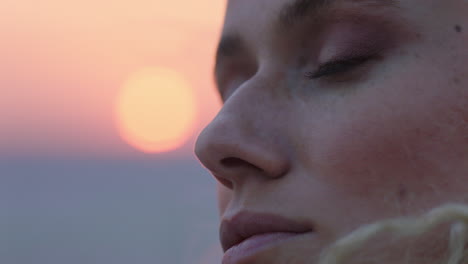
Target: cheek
(384, 146)
(365, 150)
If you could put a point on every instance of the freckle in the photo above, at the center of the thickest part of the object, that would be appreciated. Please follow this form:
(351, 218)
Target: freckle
(458, 28)
(456, 80)
(416, 55)
(402, 192)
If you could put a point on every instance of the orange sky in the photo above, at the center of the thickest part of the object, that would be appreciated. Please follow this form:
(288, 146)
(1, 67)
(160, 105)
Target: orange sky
(63, 63)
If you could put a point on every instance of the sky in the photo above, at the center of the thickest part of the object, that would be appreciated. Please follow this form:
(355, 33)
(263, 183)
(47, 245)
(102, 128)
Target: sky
(65, 62)
(74, 188)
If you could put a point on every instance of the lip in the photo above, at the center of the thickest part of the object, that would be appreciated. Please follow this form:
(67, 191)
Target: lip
(247, 232)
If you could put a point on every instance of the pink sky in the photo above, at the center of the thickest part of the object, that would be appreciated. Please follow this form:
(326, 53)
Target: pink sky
(63, 63)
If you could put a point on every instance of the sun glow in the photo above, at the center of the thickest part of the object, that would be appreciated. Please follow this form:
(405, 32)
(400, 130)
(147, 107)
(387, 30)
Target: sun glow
(155, 110)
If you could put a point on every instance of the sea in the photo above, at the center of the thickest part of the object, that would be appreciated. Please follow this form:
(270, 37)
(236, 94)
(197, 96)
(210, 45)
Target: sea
(107, 211)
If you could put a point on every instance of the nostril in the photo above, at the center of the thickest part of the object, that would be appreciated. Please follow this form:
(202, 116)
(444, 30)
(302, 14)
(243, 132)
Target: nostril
(232, 162)
(227, 183)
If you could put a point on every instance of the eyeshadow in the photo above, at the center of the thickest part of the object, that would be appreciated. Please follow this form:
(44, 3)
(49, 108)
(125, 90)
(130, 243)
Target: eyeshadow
(345, 40)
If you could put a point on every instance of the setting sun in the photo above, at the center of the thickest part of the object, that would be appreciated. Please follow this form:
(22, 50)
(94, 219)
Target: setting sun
(155, 110)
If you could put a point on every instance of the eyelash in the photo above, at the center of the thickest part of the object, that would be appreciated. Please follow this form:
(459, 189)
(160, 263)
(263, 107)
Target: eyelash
(337, 67)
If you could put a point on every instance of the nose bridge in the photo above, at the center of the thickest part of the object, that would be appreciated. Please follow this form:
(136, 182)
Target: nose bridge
(251, 113)
(255, 107)
(245, 137)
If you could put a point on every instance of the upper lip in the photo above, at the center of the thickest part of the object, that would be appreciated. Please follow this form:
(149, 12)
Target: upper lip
(247, 224)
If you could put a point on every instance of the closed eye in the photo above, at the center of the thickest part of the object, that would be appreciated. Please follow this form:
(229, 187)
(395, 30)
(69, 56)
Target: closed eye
(338, 67)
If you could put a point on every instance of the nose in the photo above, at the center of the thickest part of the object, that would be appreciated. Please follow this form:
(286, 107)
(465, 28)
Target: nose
(243, 142)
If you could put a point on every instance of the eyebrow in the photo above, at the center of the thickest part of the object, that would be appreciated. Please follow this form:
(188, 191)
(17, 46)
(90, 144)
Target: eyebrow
(291, 14)
(295, 12)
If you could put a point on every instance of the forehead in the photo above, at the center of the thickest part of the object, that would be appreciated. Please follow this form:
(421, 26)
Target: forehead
(250, 17)
(252, 23)
(242, 10)
(257, 11)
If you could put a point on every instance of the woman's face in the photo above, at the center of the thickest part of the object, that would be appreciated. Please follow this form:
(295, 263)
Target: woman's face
(336, 113)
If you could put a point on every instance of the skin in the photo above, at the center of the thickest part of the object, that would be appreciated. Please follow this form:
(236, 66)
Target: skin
(380, 139)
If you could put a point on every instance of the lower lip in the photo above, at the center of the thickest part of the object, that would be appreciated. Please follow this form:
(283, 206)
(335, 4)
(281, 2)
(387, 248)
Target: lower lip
(255, 244)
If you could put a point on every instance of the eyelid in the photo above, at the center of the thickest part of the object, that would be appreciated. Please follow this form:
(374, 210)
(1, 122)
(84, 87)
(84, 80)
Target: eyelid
(337, 67)
(350, 40)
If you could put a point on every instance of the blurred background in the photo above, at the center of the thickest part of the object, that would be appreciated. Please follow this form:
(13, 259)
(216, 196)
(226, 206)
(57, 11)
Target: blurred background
(100, 105)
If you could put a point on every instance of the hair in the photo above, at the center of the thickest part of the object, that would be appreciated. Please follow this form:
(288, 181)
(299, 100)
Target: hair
(454, 214)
